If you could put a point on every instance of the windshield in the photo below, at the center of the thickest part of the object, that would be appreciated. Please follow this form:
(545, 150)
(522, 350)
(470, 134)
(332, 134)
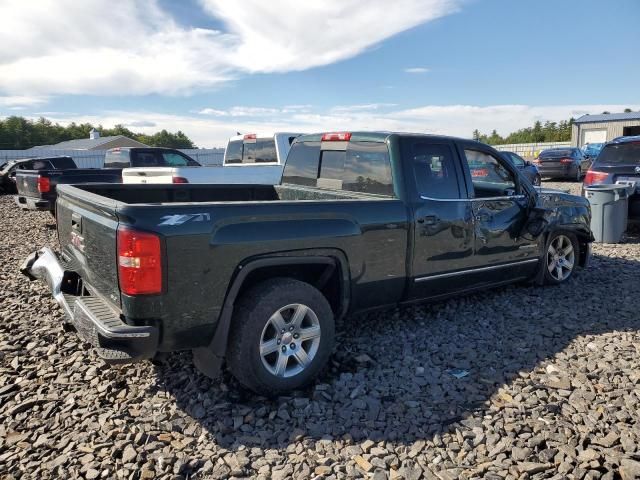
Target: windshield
(620, 154)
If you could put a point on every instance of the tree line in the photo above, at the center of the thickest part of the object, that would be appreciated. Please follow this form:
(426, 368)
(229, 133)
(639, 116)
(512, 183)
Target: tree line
(540, 132)
(547, 132)
(19, 133)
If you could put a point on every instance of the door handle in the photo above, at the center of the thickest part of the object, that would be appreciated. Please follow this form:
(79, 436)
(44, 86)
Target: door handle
(483, 217)
(429, 220)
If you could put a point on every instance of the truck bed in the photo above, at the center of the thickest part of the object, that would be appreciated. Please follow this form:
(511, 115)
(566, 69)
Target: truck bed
(138, 194)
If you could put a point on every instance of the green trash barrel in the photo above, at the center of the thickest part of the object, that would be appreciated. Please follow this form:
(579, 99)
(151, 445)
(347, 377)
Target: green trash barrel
(609, 211)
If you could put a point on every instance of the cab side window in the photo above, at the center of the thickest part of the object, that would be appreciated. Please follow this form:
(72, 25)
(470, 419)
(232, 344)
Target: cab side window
(489, 176)
(434, 169)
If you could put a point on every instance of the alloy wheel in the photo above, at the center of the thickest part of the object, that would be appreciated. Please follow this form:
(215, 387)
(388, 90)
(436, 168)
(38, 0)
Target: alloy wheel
(560, 258)
(290, 340)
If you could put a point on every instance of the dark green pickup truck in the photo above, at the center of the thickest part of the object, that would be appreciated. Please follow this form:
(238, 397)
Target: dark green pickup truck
(257, 275)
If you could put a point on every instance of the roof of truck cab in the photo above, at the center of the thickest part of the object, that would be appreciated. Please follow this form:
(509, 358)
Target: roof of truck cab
(262, 135)
(379, 136)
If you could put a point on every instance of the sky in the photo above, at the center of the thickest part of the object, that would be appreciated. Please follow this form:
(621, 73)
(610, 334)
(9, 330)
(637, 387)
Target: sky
(212, 68)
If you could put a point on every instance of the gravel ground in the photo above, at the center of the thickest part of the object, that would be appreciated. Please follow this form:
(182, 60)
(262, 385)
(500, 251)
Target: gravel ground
(549, 387)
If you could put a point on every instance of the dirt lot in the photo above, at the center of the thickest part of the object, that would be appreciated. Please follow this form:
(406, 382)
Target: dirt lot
(549, 387)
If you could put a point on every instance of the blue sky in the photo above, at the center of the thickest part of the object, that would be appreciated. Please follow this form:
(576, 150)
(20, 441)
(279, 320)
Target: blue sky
(213, 67)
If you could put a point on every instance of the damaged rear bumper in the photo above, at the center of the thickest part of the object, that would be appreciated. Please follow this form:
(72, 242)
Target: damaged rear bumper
(96, 321)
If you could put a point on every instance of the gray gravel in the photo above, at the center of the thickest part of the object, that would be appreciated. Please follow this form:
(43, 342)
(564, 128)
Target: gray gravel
(549, 387)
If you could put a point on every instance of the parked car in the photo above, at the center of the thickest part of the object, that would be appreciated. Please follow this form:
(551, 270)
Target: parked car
(36, 181)
(619, 162)
(592, 150)
(528, 169)
(257, 275)
(248, 159)
(568, 163)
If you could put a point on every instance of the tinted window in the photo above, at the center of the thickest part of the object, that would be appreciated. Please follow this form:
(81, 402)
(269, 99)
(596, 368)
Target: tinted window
(489, 176)
(233, 154)
(433, 169)
(302, 164)
(117, 159)
(146, 159)
(620, 154)
(173, 159)
(516, 160)
(265, 151)
(364, 167)
(557, 153)
(41, 165)
(63, 163)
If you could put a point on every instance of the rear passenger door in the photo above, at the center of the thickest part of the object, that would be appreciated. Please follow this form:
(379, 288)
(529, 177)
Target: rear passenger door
(443, 233)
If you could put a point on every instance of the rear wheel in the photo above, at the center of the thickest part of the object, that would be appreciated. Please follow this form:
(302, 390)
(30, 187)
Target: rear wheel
(561, 258)
(537, 180)
(579, 174)
(282, 336)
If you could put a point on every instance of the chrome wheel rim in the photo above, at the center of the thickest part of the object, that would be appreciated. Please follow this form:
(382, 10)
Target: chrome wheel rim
(560, 258)
(290, 340)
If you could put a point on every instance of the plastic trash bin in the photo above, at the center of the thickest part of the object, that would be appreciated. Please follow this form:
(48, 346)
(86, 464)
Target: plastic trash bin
(609, 211)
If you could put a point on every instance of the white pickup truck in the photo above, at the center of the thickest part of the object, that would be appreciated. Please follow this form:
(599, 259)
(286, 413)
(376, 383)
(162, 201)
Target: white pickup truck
(248, 159)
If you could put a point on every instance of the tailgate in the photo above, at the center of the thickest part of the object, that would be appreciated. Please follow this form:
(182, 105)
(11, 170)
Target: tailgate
(148, 175)
(87, 229)
(27, 184)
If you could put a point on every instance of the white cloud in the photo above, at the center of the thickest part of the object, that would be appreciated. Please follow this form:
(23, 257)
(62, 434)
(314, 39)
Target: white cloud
(457, 120)
(416, 70)
(21, 101)
(53, 47)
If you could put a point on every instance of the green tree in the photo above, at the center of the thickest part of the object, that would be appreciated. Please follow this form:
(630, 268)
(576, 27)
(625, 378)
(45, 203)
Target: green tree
(18, 133)
(627, 110)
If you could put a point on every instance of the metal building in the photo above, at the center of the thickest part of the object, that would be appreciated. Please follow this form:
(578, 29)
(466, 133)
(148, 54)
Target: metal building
(604, 127)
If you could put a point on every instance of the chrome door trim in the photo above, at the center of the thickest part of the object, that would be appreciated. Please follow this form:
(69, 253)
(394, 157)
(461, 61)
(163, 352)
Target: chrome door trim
(475, 270)
(480, 199)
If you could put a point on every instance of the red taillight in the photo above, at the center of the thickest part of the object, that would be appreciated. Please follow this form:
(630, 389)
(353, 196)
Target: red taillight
(595, 177)
(566, 160)
(44, 185)
(336, 137)
(179, 180)
(250, 136)
(139, 262)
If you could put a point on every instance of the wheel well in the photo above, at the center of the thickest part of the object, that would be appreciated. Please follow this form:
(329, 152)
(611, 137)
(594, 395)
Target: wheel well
(326, 277)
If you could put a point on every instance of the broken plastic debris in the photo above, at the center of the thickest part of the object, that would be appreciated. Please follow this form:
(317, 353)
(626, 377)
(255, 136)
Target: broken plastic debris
(458, 373)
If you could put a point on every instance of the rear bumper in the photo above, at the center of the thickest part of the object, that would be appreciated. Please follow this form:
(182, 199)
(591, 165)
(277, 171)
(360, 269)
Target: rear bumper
(557, 171)
(94, 319)
(33, 203)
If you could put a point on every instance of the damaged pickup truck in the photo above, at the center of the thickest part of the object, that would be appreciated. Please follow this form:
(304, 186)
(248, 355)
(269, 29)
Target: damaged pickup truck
(256, 276)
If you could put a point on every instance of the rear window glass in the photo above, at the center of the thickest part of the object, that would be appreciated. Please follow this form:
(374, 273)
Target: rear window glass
(363, 167)
(302, 163)
(41, 165)
(63, 163)
(233, 154)
(262, 150)
(620, 154)
(557, 153)
(173, 159)
(117, 159)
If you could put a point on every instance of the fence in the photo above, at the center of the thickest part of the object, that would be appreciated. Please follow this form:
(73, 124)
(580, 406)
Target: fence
(530, 150)
(95, 158)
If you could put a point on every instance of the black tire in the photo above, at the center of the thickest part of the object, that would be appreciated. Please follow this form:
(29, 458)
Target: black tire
(578, 175)
(252, 315)
(553, 278)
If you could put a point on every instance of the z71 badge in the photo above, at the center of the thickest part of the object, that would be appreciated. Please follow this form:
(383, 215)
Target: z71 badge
(179, 219)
